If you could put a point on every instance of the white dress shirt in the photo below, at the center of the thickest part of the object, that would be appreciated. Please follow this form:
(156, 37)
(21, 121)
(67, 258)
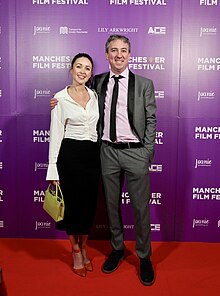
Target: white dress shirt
(70, 120)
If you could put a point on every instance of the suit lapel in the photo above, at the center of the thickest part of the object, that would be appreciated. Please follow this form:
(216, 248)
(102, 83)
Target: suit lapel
(102, 100)
(131, 93)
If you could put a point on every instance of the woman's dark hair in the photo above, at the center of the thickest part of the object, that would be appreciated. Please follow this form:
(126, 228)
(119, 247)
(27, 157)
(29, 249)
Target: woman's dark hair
(84, 55)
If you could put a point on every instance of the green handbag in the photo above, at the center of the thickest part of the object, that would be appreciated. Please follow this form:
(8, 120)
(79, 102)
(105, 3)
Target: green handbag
(54, 203)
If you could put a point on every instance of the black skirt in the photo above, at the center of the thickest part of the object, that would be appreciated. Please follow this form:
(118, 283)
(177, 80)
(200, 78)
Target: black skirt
(78, 166)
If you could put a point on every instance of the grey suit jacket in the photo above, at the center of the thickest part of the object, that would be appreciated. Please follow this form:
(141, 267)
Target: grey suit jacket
(141, 107)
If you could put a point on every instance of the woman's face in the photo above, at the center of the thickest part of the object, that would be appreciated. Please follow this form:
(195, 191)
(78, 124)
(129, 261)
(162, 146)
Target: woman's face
(82, 70)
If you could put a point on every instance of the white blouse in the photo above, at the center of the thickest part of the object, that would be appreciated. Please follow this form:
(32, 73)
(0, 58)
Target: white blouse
(70, 120)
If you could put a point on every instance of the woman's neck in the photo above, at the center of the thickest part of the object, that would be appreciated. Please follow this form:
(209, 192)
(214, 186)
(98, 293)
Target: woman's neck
(78, 88)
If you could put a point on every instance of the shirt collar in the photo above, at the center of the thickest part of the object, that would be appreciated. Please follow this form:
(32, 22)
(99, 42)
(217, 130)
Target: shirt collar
(124, 73)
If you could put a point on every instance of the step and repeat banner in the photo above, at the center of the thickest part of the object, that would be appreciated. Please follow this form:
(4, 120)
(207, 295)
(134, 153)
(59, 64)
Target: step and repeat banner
(174, 43)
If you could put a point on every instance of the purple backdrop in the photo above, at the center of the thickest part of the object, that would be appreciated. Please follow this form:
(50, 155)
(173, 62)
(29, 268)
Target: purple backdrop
(174, 44)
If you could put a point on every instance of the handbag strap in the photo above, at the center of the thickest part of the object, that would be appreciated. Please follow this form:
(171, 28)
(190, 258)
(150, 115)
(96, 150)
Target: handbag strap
(59, 189)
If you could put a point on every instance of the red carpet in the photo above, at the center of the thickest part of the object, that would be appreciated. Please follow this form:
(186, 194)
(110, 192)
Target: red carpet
(43, 267)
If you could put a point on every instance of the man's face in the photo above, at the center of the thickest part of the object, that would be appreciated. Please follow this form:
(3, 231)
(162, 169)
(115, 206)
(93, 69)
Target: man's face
(118, 56)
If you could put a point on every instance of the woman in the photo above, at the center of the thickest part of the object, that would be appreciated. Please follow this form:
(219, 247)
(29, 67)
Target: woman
(74, 157)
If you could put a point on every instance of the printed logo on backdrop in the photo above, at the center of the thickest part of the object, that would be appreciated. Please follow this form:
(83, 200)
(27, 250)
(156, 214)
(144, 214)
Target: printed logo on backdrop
(137, 2)
(206, 193)
(40, 166)
(113, 30)
(155, 227)
(101, 226)
(60, 2)
(156, 31)
(207, 133)
(147, 63)
(51, 62)
(203, 163)
(208, 31)
(155, 198)
(42, 93)
(1, 134)
(39, 196)
(39, 225)
(64, 30)
(41, 136)
(2, 223)
(41, 30)
(1, 165)
(159, 94)
(200, 223)
(1, 93)
(209, 2)
(1, 195)
(128, 226)
(206, 95)
(159, 138)
(208, 64)
(0, 63)
(156, 168)
(218, 223)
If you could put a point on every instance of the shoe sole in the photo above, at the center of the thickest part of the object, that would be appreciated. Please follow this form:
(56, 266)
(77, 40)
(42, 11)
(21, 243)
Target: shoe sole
(110, 271)
(147, 283)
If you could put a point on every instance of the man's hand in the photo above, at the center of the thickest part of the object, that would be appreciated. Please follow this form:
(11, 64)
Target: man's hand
(53, 103)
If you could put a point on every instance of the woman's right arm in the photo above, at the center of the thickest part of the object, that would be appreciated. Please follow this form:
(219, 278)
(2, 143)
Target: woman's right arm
(56, 137)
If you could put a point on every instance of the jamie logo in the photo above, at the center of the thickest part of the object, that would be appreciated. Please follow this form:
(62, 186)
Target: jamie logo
(206, 95)
(198, 222)
(40, 166)
(218, 223)
(208, 31)
(41, 93)
(203, 163)
(41, 30)
(42, 225)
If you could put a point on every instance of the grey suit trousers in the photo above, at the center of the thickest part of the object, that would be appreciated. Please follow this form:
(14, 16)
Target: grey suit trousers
(134, 162)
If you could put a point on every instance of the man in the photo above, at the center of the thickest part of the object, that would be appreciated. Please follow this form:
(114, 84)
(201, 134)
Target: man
(129, 153)
(127, 148)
